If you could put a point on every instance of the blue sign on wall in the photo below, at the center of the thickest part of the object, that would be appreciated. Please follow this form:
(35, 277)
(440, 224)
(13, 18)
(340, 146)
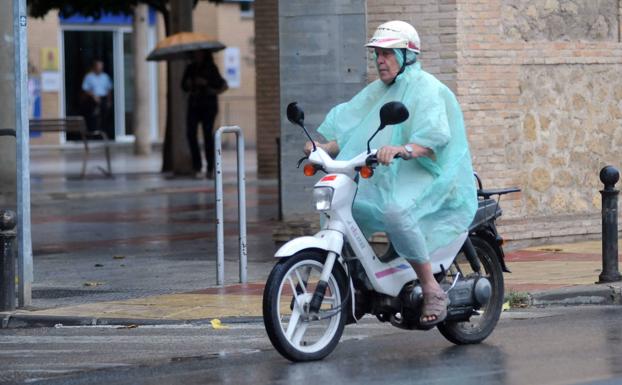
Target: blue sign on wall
(106, 19)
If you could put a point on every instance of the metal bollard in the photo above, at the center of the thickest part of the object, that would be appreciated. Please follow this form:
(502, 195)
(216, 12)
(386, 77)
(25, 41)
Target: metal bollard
(609, 175)
(8, 220)
(220, 226)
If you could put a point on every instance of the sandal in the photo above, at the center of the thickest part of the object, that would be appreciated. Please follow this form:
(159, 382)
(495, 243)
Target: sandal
(434, 305)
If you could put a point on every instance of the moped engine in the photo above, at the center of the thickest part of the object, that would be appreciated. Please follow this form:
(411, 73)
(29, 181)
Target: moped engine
(471, 292)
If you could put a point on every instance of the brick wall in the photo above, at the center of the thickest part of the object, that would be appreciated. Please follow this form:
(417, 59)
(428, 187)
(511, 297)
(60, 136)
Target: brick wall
(267, 86)
(541, 102)
(434, 20)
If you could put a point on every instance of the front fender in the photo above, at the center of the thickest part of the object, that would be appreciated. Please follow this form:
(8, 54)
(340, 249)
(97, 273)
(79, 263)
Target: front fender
(328, 240)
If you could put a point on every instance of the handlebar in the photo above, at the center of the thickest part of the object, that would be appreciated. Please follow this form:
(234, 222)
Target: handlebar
(372, 159)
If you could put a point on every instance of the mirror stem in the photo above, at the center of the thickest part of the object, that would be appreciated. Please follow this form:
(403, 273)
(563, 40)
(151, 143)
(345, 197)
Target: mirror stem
(308, 136)
(372, 137)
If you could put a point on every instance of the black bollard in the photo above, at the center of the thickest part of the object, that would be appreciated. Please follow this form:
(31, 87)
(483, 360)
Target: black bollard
(8, 220)
(609, 176)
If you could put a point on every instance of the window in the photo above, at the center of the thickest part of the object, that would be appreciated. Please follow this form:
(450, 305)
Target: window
(246, 9)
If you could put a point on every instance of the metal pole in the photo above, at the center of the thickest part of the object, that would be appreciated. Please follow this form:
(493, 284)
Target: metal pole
(220, 232)
(24, 241)
(609, 176)
(220, 237)
(242, 205)
(7, 260)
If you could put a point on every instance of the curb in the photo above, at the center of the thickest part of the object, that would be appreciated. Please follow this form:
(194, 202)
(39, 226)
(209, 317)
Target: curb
(15, 321)
(597, 294)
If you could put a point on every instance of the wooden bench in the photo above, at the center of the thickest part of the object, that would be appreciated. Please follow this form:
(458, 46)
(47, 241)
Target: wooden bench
(75, 125)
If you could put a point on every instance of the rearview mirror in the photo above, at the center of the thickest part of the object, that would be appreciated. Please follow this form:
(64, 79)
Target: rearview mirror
(295, 114)
(392, 113)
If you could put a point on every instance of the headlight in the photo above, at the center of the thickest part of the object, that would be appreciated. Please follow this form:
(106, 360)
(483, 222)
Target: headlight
(322, 196)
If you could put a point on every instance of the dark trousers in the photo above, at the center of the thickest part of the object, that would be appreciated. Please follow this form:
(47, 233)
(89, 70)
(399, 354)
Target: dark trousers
(96, 116)
(206, 117)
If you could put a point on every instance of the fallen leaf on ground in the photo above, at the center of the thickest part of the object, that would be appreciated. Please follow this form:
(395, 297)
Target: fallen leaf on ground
(99, 265)
(132, 326)
(118, 257)
(216, 324)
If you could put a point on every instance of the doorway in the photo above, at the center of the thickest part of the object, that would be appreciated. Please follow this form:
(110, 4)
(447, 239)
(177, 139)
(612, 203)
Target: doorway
(81, 48)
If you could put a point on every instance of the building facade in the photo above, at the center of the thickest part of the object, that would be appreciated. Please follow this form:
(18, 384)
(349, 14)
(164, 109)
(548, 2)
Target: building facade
(61, 51)
(537, 81)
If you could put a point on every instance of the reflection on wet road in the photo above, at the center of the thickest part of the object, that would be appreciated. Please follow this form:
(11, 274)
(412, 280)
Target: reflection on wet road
(558, 346)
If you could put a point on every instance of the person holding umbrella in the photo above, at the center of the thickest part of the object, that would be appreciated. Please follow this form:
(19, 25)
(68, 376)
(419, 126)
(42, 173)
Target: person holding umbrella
(203, 82)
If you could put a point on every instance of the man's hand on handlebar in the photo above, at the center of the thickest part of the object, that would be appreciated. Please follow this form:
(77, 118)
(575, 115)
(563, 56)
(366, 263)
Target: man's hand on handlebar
(386, 154)
(309, 147)
(332, 148)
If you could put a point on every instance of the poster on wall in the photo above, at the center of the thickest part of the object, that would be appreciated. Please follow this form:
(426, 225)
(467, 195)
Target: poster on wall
(232, 67)
(49, 59)
(50, 81)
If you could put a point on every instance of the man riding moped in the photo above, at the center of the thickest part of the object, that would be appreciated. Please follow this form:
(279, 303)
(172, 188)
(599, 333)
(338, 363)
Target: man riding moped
(427, 198)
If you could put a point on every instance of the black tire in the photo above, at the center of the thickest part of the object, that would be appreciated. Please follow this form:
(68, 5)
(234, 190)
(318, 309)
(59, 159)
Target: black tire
(476, 330)
(273, 293)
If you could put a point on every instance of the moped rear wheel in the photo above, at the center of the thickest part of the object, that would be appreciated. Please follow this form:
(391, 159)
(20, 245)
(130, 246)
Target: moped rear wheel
(294, 333)
(479, 326)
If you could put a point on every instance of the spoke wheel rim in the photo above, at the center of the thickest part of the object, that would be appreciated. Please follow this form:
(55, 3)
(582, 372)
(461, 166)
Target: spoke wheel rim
(295, 333)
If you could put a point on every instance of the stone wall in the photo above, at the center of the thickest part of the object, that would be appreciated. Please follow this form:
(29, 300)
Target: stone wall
(571, 125)
(539, 84)
(556, 20)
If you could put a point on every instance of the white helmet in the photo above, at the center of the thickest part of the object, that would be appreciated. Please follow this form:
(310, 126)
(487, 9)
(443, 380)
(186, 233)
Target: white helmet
(396, 34)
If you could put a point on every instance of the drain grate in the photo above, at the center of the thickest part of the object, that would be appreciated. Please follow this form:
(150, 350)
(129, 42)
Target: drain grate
(50, 293)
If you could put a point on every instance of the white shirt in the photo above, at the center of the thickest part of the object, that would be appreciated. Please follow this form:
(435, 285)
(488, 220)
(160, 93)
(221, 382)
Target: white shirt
(99, 85)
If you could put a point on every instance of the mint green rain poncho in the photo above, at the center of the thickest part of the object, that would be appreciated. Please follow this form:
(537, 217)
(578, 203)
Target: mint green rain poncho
(422, 204)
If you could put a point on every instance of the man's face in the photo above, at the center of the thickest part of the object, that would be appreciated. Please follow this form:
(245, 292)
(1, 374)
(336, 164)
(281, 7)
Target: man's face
(387, 64)
(98, 67)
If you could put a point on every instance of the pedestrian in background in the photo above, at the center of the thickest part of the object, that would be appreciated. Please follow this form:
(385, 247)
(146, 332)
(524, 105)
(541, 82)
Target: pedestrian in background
(97, 88)
(203, 82)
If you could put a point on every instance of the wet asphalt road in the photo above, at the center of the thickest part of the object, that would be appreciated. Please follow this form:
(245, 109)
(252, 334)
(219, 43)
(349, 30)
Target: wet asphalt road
(542, 346)
(131, 245)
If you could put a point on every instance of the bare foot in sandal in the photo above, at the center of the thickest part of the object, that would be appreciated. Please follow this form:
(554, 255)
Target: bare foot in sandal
(435, 300)
(434, 308)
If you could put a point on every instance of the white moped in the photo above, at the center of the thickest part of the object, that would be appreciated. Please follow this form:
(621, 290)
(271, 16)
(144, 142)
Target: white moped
(324, 281)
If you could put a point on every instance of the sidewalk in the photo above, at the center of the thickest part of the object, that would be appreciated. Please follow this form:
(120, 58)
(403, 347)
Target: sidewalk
(140, 248)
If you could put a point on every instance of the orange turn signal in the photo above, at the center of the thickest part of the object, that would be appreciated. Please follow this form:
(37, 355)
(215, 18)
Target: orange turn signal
(366, 172)
(309, 169)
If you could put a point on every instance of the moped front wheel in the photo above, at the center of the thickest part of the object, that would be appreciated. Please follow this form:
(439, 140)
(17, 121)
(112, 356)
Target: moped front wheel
(295, 333)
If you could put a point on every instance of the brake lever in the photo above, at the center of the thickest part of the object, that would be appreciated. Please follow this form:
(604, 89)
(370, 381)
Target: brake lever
(372, 160)
(301, 160)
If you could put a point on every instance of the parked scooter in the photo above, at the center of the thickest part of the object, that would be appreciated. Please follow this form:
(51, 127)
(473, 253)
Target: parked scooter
(325, 281)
